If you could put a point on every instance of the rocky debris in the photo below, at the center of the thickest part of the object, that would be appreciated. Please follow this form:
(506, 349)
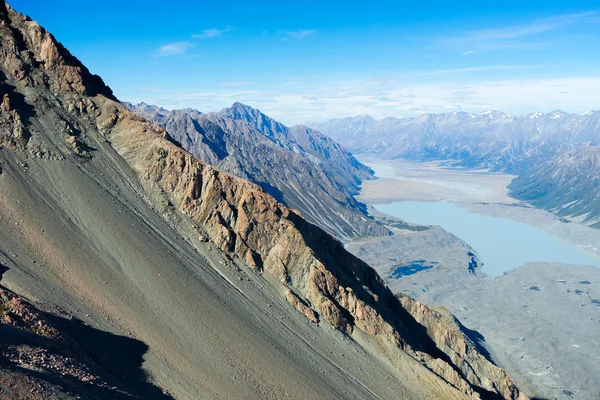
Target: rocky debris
(5, 106)
(29, 342)
(77, 146)
(12, 131)
(15, 312)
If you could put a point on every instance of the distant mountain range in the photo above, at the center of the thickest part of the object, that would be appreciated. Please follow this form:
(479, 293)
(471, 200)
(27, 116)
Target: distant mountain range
(555, 155)
(492, 139)
(299, 166)
(568, 185)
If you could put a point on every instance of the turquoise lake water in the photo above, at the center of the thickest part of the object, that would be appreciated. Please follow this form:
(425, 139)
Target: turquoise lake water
(501, 244)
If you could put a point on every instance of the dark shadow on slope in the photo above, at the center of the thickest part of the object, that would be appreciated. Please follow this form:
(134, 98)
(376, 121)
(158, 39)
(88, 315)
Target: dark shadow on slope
(367, 285)
(273, 191)
(172, 140)
(213, 137)
(478, 340)
(115, 359)
(3, 269)
(17, 100)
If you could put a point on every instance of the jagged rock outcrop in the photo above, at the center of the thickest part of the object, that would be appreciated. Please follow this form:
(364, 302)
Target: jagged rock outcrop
(164, 192)
(460, 350)
(45, 54)
(299, 166)
(12, 133)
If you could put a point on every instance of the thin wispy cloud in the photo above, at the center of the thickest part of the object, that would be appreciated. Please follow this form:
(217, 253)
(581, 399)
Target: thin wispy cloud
(514, 36)
(173, 49)
(468, 69)
(299, 34)
(533, 28)
(234, 84)
(211, 33)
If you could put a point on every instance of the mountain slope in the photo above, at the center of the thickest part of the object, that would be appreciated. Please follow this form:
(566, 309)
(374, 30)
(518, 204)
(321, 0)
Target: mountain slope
(568, 185)
(299, 166)
(491, 139)
(105, 218)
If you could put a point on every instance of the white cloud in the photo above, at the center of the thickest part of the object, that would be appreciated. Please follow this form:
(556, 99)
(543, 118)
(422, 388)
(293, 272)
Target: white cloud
(390, 97)
(468, 69)
(299, 34)
(211, 33)
(173, 49)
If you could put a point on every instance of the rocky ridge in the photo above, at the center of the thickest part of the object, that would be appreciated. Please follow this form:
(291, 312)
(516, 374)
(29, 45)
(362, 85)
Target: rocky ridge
(298, 166)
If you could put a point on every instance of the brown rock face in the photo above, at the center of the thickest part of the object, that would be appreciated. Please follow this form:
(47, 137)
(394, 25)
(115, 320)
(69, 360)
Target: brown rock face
(12, 131)
(306, 265)
(16, 313)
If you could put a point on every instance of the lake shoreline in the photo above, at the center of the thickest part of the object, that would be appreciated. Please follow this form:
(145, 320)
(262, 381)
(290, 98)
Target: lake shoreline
(477, 191)
(502, 244)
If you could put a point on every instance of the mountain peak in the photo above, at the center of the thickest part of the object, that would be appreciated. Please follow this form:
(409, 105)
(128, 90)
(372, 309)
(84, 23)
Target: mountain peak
(242, 108)
(364, 117)
(243, 112)
(29, 44)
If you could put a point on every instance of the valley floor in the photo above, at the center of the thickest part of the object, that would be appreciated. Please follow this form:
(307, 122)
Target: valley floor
(538, 321)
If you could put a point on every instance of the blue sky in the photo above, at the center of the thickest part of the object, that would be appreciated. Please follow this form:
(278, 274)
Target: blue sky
(313, 60)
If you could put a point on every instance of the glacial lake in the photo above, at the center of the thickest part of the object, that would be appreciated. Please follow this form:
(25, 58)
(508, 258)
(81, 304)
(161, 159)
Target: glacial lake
(501, 244)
